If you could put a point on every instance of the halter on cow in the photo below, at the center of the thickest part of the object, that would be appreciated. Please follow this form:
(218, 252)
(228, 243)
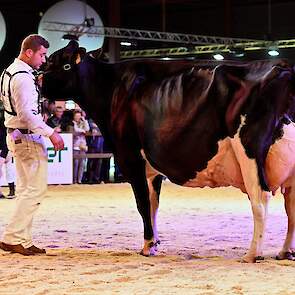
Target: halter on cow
(171, 115)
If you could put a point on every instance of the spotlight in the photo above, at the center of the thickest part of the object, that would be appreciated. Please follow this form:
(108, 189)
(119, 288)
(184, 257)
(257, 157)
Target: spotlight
(125, 43)
(70, 37)
(273, 52)
(218, 56)
(237, 51)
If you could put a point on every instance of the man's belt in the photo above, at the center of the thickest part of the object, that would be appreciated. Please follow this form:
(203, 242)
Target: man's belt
(23, 131)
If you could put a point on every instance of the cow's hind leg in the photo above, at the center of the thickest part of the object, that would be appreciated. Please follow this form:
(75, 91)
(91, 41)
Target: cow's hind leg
(288, 250)
(259, 203)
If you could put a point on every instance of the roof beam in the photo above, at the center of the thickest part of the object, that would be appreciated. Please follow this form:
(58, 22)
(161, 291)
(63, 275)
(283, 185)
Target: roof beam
(250, 46)
(134, 34)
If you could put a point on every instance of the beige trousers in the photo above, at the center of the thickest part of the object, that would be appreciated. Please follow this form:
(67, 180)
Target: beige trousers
(31, 183)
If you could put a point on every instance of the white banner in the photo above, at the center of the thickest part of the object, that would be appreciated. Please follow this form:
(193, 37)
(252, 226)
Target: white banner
(60, 164)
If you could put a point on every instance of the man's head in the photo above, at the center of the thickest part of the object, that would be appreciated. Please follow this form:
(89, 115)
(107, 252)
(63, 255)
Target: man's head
(33, 51)
(58, 112)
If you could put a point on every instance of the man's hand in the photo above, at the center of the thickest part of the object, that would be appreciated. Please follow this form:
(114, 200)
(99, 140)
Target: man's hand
(57, 129)
(57, 141)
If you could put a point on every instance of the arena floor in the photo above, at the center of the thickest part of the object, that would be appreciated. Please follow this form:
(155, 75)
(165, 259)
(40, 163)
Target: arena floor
(94, 232)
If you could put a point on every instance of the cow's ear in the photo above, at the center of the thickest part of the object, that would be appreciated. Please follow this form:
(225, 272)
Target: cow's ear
(80, 55)
(97, 53)
(239, 97)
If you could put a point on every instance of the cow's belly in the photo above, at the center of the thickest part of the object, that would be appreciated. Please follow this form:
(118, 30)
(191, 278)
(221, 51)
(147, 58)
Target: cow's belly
(280, 161)
(222, 170)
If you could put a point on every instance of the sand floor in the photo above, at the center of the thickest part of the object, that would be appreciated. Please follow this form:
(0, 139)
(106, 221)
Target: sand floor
(93, 234)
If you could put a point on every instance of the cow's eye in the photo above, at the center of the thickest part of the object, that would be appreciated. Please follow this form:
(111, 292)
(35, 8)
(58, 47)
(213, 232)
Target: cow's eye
(67, 67)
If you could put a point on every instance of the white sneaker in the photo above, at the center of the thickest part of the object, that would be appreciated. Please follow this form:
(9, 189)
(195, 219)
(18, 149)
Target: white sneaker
(10, 197)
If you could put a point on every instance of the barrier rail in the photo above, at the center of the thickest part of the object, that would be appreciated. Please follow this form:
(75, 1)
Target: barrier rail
(94, 156)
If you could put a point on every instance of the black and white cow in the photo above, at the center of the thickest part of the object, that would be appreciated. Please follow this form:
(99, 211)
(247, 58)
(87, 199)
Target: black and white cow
(169, 117)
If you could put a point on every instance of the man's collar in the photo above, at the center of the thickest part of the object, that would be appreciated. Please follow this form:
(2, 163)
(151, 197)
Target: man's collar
(26, 66)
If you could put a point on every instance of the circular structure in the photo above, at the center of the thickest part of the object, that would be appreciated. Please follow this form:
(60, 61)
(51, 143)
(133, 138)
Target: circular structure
(70, 12)
(2, 30)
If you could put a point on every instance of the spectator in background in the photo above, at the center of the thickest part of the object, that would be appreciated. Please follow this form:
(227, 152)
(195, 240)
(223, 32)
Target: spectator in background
(51, 106)
(66, 122)
(55, 120)
(10, 175)
(48, 106)
(45, 115)
(6, 159)
(95, 145)
(44, 109)
(81, 126)
(105, 166)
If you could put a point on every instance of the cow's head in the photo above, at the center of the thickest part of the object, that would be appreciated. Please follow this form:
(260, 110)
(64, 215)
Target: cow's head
(60, 78)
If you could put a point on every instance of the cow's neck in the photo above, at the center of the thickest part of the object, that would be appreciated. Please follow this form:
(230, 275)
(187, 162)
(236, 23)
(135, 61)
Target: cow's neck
(95, 79)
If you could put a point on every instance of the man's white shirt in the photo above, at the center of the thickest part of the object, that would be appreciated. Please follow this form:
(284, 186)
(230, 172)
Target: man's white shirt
(24, 98)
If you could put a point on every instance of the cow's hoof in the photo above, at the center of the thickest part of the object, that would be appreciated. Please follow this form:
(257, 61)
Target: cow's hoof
(248, 259)
(149, 249)
(259, 258)
(286, 255)
(143, 253)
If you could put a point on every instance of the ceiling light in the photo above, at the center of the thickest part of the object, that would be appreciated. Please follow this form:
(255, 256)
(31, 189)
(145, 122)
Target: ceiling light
(273, 52)
(125, 43)
(237, 51)
(218, 56)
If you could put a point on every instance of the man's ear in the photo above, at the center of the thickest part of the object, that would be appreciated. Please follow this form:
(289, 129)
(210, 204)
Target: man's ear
(29, 52)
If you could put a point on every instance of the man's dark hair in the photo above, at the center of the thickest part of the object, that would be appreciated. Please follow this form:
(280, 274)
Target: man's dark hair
(34, 42)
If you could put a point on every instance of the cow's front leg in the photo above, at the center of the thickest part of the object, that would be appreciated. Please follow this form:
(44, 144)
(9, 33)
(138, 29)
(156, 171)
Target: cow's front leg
(154, 184)
(135, 173)
(288, 250)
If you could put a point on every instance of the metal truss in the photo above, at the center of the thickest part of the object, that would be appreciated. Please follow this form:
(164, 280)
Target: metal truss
(196, 44)
(247, 46)
(122, 33)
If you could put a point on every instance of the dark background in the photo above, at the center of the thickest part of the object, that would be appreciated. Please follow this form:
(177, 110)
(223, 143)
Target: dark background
(228, 18)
